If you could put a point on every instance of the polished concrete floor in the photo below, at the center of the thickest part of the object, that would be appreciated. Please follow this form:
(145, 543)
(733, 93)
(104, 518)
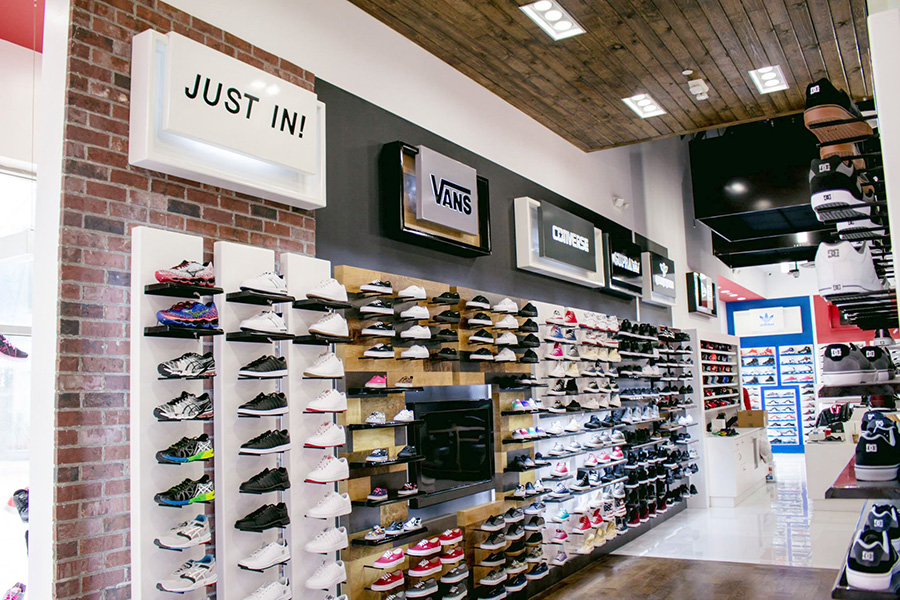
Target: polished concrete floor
(775, 526)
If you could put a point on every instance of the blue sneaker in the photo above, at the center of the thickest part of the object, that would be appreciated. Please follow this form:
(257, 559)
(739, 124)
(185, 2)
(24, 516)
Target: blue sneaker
(395, 528)
(377, 455)
(559, 491)
(378, 494)
(190, 314)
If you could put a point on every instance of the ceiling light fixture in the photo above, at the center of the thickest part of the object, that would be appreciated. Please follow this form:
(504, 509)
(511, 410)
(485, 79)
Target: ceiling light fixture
(644, 105)
(803, 237)
(769, 79)
(741, 298)
(553, 19)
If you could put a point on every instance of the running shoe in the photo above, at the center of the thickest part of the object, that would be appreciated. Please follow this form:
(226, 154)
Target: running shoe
(186, 407)
(8, 350)
(187, 492)
(187, 450)
(188, 365)
(195, 315)
(188, 272)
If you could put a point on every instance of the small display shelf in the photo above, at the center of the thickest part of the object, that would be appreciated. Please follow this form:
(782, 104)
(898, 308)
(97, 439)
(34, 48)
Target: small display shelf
(185, 333)
(315, 339)
(257, 298)
(880, 388)
(362, 426)
(360, 465)
(256, 337)
(392, 498)
(390, 538)
(186, 378)
(319, 305)
(847, 486)
(179, 290)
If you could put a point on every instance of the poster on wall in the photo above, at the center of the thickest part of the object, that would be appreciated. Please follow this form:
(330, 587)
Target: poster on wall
(701, 291)
(433, 200)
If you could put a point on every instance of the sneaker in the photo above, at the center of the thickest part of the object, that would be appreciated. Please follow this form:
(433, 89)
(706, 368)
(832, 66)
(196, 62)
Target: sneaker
(833, 114)
(388, 581)
(329, 470)
(269, 442)
(328, 401)
(331, 325)
(266, 556)
(326, 366)
(506, 306)
(425, 568)
(192, 575)
(494, 577)
(413, 292)
(266, 321)
(264, 405)
(378, 455)
(454, 592)
(187, 492)
(188, 272)
(885, 517)
(377, 287)
(422, 589)
(481, 354)
(187, 366)
(415, 313)
(376, 382)
(529, 310)
(479, 302)
(842, 268)
(878, 453)
(328, 435)
(505, 355)
(844, 364)
(274, 590)
(447, 316)
(328, 540)
(451, 557)
(186, 407)
(194, 315)
(405, 382)
(378, 329)
(267, 480)
(456, 574)
(493, 542)
(872, 561)
(507, 322)
(415, 352)
(328, 289)
(331, 505)
(186, 535)
(425, 547)
(560, 559)
(329, 574)
(265, 517)
(391, 558)
(264, 367)
(187, 450)
(538, 571)
(405, 416)
(480, 320)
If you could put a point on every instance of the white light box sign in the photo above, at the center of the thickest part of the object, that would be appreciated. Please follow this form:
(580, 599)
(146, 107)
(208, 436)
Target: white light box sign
(775, 320)
(202, 115)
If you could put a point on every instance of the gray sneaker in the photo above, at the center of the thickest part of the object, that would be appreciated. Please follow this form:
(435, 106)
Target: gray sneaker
(495, 577)
(423, 588)
(456, 574)
(456, 592)
(881, 362)
(844, 364)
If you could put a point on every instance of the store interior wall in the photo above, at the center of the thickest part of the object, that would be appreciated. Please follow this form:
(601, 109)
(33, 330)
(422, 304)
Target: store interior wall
(20, 77)
(350, 49)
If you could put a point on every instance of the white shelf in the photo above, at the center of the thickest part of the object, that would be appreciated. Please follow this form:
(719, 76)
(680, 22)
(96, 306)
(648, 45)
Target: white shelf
(721, 408)
(718, 362)
(720, 396)
(718, 373)
(727, 353)
(708, 386)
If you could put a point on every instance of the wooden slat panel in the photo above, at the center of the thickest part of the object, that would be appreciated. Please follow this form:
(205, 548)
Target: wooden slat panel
(820, 14)
(858, 10)
(846, 42)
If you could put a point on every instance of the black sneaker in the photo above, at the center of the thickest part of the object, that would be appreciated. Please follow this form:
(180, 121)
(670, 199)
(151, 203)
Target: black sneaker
(187, 492)
(535, 539)
(186, 450)
(446, 335)
(445, 354)
(494, 523)
(447, 316)
(376, 307)
(571, 387)
(528, 326)
(514, 584)
(189, 365)
(885, 518)
(534, 524)
(481, 354)
(265, 367)
(517, 464)
(479, 302)
(446, 298)
(496, 592)
(516, 547)
(423, 588)
(480, 320)
(493, 560)
(267, 480)
(265, 517)
(269, 442)
(514, 515)
(539, 460)
(574, 406)
(593, 423)
(529, 356)
(539, 571)
(407, 452)
(481, 337)
(378, 329)
(558, 389)
(693, 490)
(516, 532)
(529, 310)
(264, 405)
(377, 287)
(872, 561)
(832, 113)
(529, 341)
(530, 489)
(582, 483)
(878, 453)
(495, 541)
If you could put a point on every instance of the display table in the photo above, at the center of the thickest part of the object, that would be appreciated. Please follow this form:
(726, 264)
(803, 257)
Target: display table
(735, 468)
(824, 462)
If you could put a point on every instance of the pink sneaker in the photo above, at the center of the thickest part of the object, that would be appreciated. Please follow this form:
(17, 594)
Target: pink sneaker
(617, 454)
(604, 457)
(561, 470)
(556, 353)
(377, 382)
(390, 559)
(591, 461)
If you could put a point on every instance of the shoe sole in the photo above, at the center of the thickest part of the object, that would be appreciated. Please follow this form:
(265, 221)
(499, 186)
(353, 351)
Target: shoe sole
(190, 588)
(378, 354)
(848, 377)
(873, 582)
(282, 561)
(174, 460)
(277, 488)
(261, 451)
(828, 113)
(194, 543)
(269, 412)
(333, 375)
(375, 386)
(375, 332)
(201, 498)
(387, 588)
(262, 375)
(882, 473)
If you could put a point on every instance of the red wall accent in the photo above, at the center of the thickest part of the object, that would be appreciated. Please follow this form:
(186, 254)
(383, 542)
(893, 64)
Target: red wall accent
(22, 23)
(829, 329)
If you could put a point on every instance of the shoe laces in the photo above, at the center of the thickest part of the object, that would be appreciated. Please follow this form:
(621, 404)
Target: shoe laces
(323, 428)
(322, 358)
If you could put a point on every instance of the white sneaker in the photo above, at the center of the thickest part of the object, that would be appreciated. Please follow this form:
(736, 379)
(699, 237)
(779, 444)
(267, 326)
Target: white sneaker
(416, 351)
(556, 428)
(265, 321)
(328, 401)
(329, 289)
(379, 328)
(273, 590)
(267, 283)
(416, 332)
(330, 506)
(843, 269)
(405, 416)
(377, 287)
(573, 426)
(413, 292)
(186, 535)
(506, 306)
(327, 541)
(267, 555)
(507, 322)
(376, 418)
(507, 339)
(327, 365)
(332, 324)
(192, 575)
(329, 470)
(505, 355)
(328, 435)
(558, 371)
(415, 312)
(328, 575)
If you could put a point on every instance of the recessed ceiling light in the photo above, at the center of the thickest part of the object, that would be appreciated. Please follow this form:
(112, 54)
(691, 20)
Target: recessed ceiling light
(741, 298)
(687, 72)
(644, 105)
(553, 19)
(769, 79)
(723, 291)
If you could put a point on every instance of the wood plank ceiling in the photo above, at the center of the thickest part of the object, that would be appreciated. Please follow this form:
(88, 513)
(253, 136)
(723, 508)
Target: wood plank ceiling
(575, 86)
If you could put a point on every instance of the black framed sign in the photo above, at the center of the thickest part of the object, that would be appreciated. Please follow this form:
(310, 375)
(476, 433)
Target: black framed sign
(659, 279)
(623, 259)
(566, 238)
(701, 294)
(433, 200)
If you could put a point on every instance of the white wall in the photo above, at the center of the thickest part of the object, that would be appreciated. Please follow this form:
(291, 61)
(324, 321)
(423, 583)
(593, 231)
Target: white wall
(20, 76)
(784, 285)
(348, 48)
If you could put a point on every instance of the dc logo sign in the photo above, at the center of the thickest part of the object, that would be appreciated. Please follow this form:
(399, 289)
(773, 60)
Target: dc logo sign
(870, 354)
(824, 167)
(766, 320)
(868, 555)
(835, 353)
(871, 447)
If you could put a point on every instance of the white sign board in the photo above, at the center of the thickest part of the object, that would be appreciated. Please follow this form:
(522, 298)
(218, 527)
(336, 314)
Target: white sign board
(447, 191)
(768, 321)
(205, 116)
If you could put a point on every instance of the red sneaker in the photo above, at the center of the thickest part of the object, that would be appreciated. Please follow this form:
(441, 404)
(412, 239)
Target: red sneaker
(453, 556)
(584, 524)
(425, 547)
(451, 536)
(425, 568)
(570, 318)
(390, 559)
(388, 581)
(596, 519)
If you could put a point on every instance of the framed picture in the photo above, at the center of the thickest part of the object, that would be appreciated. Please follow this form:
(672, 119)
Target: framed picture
(434, 201)
(701, 294)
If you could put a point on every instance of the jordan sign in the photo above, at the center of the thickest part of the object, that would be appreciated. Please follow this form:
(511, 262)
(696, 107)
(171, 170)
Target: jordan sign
(659, 279)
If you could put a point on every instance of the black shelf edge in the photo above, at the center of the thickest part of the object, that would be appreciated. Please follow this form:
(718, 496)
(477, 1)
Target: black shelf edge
(362, 426)
(390, 538)
(178, 290)
(513, 413)
(256, 337)
(257, 298)
(847, 486)
(315, 339)
(185, 333)
(319, 305)
(197, 378)
(363, 465)
(380, 392)
(864, 389)
(393, 498)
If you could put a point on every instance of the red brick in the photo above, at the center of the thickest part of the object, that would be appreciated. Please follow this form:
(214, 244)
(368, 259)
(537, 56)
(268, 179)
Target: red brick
(129, 178)
(100, 544)
(66, 512)
(117, 487)
(116, 452)
(118, 559)
(103, 581)
(70, 588)
(218, 216)
(235, 206)
(83, 274)
(78, 491)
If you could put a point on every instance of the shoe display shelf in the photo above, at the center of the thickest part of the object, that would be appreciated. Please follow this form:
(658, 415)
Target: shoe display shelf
(154, 249)
(842, 589)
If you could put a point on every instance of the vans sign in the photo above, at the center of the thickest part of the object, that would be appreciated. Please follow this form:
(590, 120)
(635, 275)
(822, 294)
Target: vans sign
(566, 238)
(446, 193)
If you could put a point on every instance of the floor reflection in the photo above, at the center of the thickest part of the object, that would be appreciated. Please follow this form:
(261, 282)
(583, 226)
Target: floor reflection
(776, 526)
